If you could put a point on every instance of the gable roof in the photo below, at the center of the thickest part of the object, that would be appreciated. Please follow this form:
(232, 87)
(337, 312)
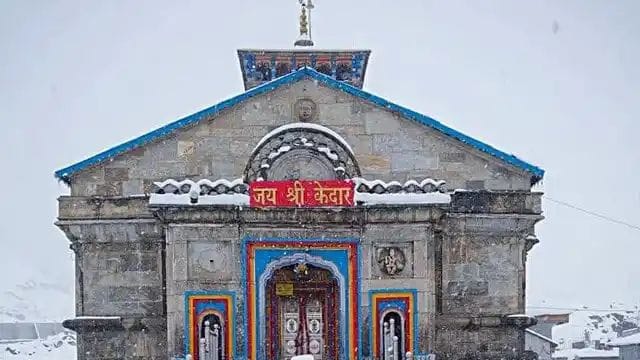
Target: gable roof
(303, 73)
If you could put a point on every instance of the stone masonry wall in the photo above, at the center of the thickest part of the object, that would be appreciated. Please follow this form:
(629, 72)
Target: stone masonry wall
(468, 263)
(119, 267)
(483, 281)
(416, 241)
(386, 147)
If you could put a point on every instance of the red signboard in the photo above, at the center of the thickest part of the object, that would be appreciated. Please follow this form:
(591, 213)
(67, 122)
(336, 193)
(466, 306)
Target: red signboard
(301, 193)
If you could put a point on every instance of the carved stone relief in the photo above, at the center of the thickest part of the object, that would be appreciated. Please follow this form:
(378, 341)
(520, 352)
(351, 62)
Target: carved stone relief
(301, 154)
(305, 110)
(393, 261)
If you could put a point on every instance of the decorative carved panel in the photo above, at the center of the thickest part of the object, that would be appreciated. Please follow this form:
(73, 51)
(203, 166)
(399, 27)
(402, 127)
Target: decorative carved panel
(392, 260)
(301, 154)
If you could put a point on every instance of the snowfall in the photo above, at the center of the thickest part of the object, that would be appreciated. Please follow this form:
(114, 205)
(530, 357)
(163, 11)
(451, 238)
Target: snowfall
(35, 301)
(39, 301)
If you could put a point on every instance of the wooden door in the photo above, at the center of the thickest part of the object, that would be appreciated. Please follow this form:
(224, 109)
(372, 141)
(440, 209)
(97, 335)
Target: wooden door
(302, 313)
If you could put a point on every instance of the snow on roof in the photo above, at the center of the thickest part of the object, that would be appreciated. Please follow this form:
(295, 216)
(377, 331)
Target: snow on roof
(301, 125)
(627, 340)
(305, 72)
(600, 326)
(585, 353)
(529, 331)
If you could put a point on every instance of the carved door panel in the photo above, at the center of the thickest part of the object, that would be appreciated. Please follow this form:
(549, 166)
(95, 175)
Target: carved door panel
(302, 326)
(304, 320)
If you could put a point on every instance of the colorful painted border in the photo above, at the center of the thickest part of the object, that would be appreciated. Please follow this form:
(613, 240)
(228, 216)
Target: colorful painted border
(261, 256)
(201, 303)
(403, 301)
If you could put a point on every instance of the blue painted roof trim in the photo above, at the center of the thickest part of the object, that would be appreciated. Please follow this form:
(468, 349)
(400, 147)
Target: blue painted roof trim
(66, 173)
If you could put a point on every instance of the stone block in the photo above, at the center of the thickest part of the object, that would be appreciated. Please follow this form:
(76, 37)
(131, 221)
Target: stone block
(336, 114)
(380, 122)
(132, 187)
(384, 144)
(466, 288)
(375, 163)
(411, 161)
(210, 260)
(453, 157)
(186, 148)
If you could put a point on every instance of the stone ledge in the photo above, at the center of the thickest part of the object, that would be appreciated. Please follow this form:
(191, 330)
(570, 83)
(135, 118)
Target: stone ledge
(497, 202)
(137, 207)
(475, 322)
(83, 324)
(352, 216)
(95, 207)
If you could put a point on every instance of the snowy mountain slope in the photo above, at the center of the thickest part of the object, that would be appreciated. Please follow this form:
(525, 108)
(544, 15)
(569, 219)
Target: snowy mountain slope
(594, 325)
(36, 301)
(58, 347)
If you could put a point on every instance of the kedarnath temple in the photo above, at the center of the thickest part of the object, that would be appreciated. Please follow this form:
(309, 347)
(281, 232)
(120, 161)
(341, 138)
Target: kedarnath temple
(304, 216)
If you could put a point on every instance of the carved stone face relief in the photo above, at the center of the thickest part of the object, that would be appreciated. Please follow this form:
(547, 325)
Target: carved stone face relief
(305, 110)
(391, 260)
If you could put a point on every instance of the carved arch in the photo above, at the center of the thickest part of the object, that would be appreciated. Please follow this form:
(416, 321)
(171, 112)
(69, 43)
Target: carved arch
(301, 151)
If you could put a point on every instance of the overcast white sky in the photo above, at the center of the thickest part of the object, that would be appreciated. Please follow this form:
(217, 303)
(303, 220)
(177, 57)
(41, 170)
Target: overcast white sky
(554, 82)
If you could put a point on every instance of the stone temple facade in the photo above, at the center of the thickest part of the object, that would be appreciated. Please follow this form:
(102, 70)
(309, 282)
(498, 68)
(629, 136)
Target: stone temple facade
(429, 258)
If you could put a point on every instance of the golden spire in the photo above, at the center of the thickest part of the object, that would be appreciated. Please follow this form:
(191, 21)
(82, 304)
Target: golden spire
(305, 25)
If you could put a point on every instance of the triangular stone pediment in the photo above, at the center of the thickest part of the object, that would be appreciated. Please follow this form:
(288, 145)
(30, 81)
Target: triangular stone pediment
(388, 142)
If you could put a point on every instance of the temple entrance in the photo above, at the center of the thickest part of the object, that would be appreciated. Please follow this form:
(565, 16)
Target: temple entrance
(302, 313)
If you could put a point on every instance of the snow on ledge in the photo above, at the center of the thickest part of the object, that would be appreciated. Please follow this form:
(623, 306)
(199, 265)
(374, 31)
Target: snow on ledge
(97, 318)
(196, 185)
(243, 200)
(194, 196)
(301, 125)
(402, 198)
(185, 199)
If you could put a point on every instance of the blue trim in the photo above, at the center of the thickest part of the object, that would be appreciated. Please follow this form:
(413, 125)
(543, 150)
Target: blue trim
(306, 72)
(414, 312)
(232, 327)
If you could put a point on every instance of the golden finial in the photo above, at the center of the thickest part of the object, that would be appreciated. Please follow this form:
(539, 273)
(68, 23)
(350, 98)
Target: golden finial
(305, 24)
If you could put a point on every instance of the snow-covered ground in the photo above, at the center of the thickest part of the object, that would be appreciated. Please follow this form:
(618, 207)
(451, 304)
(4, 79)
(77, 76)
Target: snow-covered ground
(602, 326)
(36, 301)
(585, 353)
(57, 347)
(29, 298)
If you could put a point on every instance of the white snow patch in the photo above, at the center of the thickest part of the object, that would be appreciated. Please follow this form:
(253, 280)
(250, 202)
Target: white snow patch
(599, 325)
(281, 150)
(301, 125)
(185, 199)
(403, 198)
(372, 183)
(586, 353)
(627, 340)
(98, 317)
(518, 316)
(197, 184)
(330, 154)
(58, 347)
